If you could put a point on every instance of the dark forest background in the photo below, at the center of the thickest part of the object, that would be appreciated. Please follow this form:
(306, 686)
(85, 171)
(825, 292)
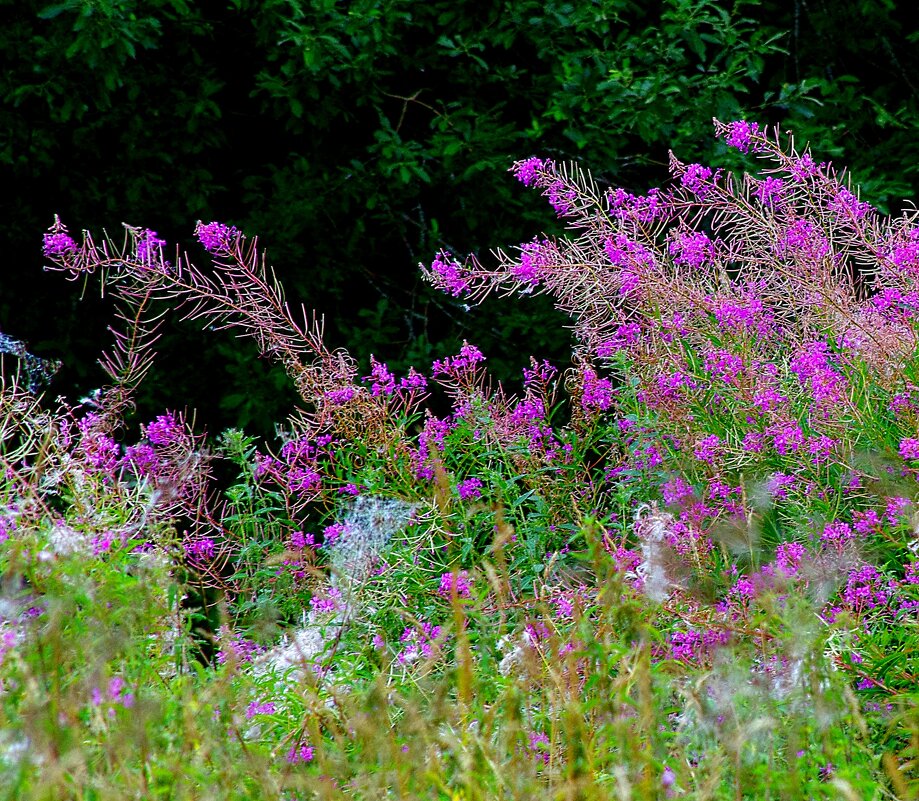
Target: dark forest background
(356, 139)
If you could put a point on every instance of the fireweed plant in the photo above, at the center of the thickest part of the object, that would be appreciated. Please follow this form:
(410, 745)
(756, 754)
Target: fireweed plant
(684, 566)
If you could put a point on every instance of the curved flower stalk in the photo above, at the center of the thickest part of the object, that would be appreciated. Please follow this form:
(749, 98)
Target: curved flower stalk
(640, 269)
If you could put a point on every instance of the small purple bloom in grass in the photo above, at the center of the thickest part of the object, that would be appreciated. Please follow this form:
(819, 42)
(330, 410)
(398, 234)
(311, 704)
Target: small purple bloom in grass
(331, 534)
(837, 534)
(707, 448)
(741, 133)
(788, 557)
(303, 753)
(256, 708)
(527, 171)
(909, 449)
(329, 602)
(866, 522)
(469, 489)
(724, 365)
(455, 582)
(418, 643)
(299, 540)
(677, 490)
(57, 245)
(778, 485)
(449, 275)
(820, 448)
(239, 649)
(668, 778)
(786, 437)
(540, 747)
(216, 237)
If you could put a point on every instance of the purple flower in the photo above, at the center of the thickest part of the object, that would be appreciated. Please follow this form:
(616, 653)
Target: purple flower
(58, 245)
(778, 485)
(413, 382)
(694, 179)
(692, 249)
(148, 245)
(256, 708)
(769, 191)
(332, 533)
(469, 489)
(668, 778)
(909, 449)
(339, 397)
(624, 205)
(788, 557)
(786, 437)
(707, 448)
(300, 479)
(804, 167)
(804, 238)
(202, 548)
(534, 257)
(330, 601)
(164, 431)
(865, 589)
(238, 649)
(845, 203)
(303, 753)
(216, 237)
(299, 540)
(527, 171)
(541, 374)
(895, 509)
(418, 643)
(457, 366)
(820, 448)
(866, 522)
(141, 460)
(449, 275)
(723, 364)
(540, 747)
(627, 253)
(384, 383)
(740, 134)
(598, 392)
(837, 534)
(677, 490)
(458, 583)
(561, 197)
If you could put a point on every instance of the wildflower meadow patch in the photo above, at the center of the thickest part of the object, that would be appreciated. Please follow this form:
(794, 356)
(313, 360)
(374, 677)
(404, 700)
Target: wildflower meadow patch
(684, 565)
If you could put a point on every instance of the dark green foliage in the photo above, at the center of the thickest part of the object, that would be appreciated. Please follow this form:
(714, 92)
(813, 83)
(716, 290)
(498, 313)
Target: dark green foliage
(359, 138)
